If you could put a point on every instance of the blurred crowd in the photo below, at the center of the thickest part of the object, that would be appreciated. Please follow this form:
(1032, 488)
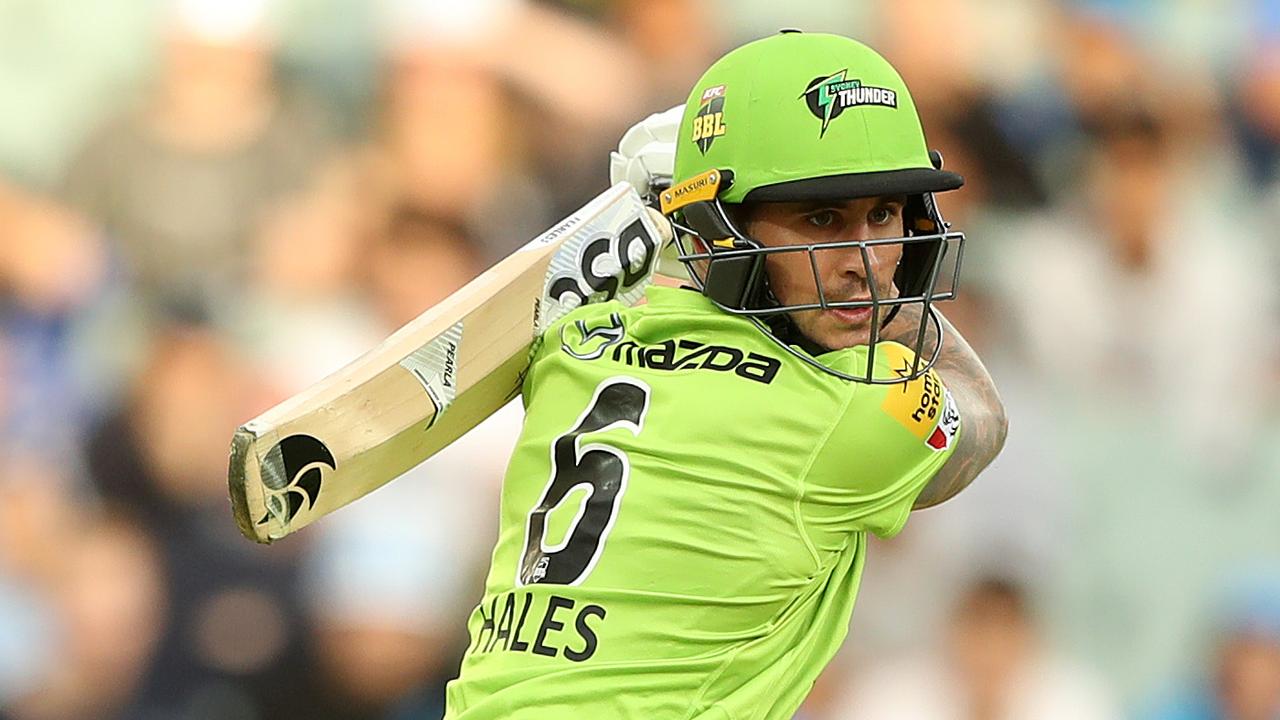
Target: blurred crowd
(207, 205)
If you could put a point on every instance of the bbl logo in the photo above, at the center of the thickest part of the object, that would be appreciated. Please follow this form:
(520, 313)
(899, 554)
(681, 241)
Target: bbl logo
(828, 96)
(292, 469)
(708, 124)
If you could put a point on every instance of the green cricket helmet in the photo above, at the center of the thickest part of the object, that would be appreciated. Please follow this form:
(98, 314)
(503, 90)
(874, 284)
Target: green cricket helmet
(800, 117)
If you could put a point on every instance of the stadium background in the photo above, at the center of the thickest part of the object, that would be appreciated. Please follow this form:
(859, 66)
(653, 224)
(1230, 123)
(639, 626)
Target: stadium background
(207, 204)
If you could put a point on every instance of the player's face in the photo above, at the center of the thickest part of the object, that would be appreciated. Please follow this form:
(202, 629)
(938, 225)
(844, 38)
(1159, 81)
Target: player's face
(844, 273)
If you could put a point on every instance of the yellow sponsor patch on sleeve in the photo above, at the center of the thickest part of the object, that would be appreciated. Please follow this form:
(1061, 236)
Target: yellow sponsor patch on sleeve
(918, 405)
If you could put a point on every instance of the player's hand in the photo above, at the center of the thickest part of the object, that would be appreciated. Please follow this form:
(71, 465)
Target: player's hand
(646, 155)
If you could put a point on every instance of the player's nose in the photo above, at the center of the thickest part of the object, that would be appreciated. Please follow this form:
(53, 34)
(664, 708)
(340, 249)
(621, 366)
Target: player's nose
(856, 259)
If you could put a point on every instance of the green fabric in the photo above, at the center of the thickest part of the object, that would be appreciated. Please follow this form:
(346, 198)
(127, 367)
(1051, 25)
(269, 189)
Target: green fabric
(750, 113)
(729, 568)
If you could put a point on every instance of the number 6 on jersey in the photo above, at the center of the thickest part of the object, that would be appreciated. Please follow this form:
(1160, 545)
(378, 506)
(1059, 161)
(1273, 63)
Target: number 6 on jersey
(602, 469)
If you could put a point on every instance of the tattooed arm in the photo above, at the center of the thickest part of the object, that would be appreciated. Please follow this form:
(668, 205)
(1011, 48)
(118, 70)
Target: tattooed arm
(983, 423)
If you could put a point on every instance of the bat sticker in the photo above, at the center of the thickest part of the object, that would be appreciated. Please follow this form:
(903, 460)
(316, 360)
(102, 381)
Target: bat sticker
(292, 469)
(435, 365)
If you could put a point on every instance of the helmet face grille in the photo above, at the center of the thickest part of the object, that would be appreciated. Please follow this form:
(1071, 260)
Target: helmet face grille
(733, 275)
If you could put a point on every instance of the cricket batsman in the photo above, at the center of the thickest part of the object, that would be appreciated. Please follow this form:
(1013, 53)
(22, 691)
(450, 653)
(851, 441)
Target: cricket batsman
(685, 518)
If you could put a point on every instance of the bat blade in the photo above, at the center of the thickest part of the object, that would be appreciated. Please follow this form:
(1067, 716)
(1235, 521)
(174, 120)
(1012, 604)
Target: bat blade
(438, 376)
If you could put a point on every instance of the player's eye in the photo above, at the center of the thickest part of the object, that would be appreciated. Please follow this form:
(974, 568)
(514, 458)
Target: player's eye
(821, 218)
(882, 215)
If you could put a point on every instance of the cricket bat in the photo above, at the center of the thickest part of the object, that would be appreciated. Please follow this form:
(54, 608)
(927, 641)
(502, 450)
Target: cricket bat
(438, 376)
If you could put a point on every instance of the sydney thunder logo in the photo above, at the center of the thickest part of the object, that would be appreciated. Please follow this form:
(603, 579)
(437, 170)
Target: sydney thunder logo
(292, 469)
(829, 96)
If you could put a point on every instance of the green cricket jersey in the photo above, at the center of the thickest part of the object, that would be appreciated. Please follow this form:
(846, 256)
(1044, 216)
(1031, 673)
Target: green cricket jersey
(684, 520)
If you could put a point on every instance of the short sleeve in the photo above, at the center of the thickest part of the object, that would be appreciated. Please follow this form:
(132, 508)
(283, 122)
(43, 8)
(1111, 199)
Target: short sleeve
(882, 451)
